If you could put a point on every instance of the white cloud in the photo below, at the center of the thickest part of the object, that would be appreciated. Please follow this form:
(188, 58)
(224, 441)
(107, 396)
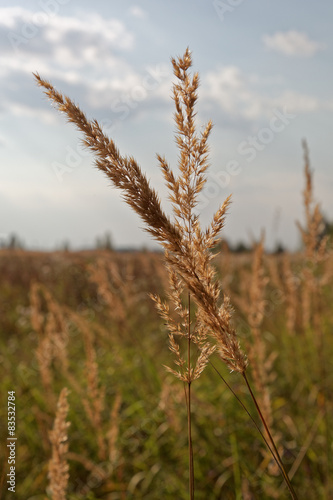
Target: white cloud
(87, 52)
(24, 28)
(77, 51)
(137, 11)
(297, 103)
(22, 110)
(227, 87)
(292, 43)
(10, 15)
(90, 27)
(231, 90)
(244, 96)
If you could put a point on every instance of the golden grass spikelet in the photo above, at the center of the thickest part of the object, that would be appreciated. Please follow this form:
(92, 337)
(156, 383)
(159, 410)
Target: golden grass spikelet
(48, 320)
(205, 352)
(36, 313)
(112, 435)
(187, 247)
(58, 467)
(257, 288)
(94, 400)
(111, 287)
(124, 172)
(315, 245)
(261, 362)
(273, 263)
(163, 309)
(181, 329)
(291, 284)
(315, 250)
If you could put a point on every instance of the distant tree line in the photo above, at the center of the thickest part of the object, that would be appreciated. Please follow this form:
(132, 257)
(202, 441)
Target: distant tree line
(104, 242)
(11, 241)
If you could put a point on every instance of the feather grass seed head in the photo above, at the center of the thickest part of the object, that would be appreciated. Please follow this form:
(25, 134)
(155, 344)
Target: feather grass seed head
(58, 467)
(187, 246)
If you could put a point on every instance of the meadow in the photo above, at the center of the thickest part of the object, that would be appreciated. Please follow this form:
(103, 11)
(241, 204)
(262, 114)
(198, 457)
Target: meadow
(191, 373)
(88, 324)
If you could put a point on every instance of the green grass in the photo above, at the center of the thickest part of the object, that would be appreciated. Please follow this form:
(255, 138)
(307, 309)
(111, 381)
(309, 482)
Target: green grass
(152, 439)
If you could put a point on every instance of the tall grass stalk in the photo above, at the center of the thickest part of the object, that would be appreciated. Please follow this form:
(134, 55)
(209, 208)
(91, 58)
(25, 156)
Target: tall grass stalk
(315, 254)
(189, 416)
(188, 248)
(271, 440)
(58, 467)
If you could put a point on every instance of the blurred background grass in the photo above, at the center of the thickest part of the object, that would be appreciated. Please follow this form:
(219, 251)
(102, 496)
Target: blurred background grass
(141, 408)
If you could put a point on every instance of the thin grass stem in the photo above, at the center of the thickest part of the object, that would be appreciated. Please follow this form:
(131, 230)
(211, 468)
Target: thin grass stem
(247, 412)
(189, 419)
(277, 455)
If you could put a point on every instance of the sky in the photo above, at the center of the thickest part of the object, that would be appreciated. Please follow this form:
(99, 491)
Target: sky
(265, 81)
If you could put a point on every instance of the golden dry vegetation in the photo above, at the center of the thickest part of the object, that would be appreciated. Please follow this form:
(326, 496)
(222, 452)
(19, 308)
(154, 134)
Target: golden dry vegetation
(238, 407)
(88, 324)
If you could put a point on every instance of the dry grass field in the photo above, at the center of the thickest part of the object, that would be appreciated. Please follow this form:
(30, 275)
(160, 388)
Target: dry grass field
(85, 321)
(193, 373)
